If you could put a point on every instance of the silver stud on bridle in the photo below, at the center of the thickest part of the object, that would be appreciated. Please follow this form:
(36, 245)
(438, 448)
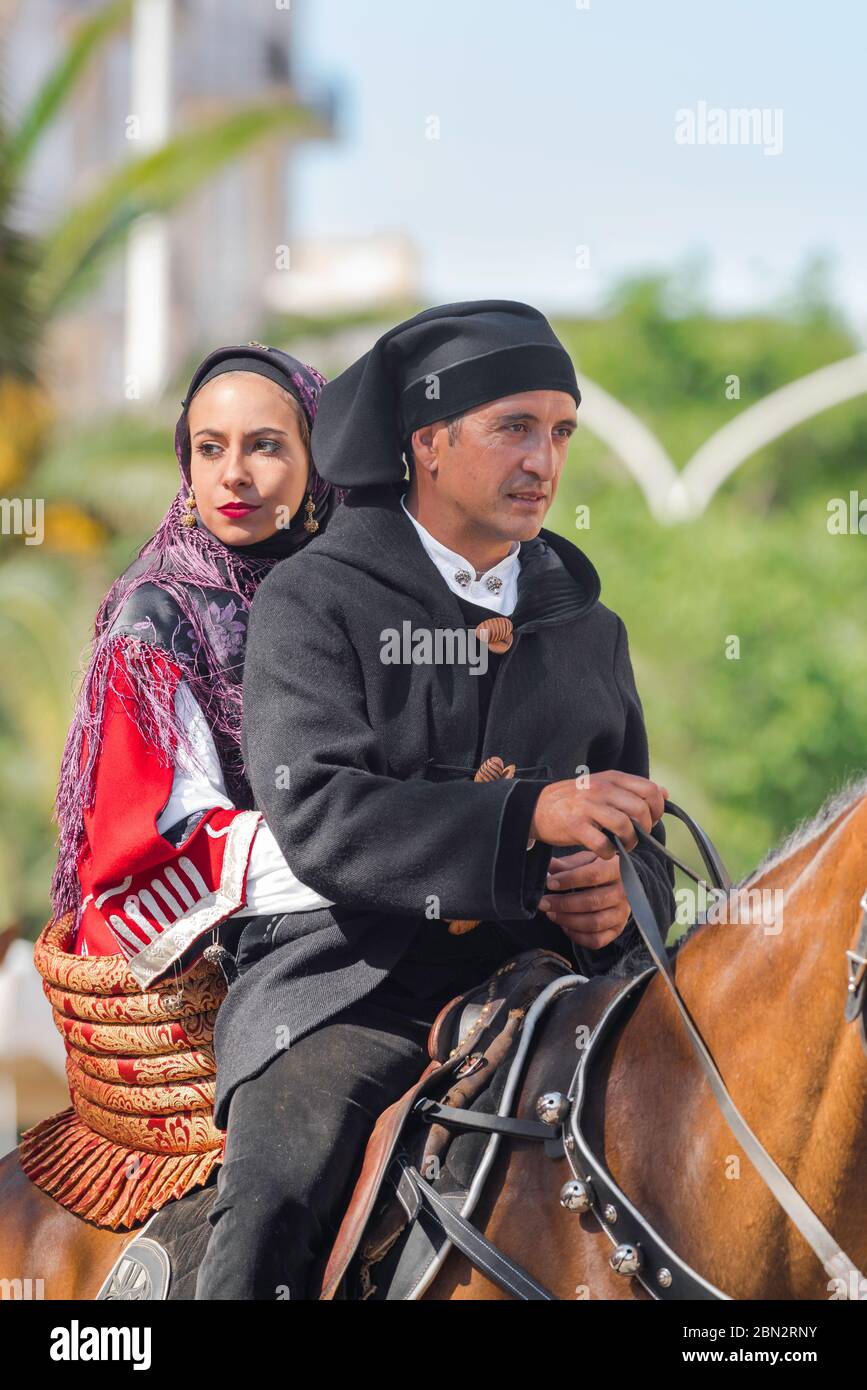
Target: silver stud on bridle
(576, 1195)
(626, 1260)
(552, 1107)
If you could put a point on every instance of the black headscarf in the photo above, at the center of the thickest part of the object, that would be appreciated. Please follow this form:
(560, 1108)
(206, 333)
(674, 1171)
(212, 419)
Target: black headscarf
(435, 366)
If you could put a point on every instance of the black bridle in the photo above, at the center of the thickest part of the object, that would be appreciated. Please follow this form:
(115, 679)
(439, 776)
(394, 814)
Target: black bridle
(856, 993)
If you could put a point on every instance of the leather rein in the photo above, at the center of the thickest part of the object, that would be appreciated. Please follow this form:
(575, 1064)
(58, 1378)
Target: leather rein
(643, 1254)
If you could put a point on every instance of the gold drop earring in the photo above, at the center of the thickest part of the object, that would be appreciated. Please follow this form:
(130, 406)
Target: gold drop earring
(311, 524)
(188, 519)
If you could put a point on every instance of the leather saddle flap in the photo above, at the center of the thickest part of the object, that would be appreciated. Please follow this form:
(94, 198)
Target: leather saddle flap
(514, 985)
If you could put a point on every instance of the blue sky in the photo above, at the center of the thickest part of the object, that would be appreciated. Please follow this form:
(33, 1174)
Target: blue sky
(557, 130)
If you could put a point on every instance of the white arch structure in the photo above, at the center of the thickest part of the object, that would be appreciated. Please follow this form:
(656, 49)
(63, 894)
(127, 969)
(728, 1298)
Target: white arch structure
(674, 495)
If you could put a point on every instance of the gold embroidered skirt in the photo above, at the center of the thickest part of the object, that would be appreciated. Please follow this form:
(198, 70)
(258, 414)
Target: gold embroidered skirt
(141, 1074)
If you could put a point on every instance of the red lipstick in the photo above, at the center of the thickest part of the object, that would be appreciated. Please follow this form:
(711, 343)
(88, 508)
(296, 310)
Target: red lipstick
(237, 509)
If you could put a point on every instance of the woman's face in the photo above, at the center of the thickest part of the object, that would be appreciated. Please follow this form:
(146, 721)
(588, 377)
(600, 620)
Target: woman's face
(249, 463)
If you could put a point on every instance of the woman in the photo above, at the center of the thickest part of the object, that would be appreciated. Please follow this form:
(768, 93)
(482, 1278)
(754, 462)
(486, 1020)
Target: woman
(159, 843)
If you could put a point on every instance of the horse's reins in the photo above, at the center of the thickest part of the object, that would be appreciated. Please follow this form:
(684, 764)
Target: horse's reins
(835, 1261)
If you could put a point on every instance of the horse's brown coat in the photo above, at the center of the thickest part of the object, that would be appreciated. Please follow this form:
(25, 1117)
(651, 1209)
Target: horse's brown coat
(39, 1239)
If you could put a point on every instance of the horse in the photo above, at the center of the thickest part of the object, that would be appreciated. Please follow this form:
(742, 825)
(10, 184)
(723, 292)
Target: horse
(45, 1250)
(769, 1004)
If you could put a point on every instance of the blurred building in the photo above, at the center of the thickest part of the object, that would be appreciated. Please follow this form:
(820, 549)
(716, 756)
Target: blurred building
(199, 276)
(332, 275)
(32, 1054)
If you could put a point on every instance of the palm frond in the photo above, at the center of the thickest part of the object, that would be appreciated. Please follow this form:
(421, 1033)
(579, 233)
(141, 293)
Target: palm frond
(19, 322)
(156, 182)
(124, 473)
(57, 86)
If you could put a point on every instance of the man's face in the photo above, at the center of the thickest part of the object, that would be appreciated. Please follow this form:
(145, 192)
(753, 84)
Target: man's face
(501, 473)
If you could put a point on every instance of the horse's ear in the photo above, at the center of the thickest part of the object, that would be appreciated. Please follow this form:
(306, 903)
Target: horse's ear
(7, 936)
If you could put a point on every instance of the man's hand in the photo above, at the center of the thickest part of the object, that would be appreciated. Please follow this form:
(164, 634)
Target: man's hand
(571, 814)
(597, 910)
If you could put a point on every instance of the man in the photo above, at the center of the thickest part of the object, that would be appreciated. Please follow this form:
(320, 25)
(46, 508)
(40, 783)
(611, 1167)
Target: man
(365, 723)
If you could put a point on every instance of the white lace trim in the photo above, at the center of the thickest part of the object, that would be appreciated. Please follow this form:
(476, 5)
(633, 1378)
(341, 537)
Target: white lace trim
(154, 959)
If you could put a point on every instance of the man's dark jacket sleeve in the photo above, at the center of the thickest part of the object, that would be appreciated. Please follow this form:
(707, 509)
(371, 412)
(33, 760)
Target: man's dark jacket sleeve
(656, 874)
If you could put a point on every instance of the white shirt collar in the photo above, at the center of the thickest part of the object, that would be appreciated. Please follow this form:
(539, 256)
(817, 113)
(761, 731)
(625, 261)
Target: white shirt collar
(498, 597)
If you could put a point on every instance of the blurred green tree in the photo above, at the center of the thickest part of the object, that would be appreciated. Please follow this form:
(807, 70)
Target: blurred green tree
(751, 735)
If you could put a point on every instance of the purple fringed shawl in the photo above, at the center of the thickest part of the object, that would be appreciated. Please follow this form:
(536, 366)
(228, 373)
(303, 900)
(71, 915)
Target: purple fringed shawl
(174, 559)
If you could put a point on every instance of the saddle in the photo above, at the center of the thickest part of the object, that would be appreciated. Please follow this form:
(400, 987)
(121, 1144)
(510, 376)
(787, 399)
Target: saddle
(470, 1045)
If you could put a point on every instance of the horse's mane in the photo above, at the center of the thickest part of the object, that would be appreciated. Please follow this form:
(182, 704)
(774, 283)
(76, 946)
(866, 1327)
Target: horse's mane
(811, 826)
(637, 958)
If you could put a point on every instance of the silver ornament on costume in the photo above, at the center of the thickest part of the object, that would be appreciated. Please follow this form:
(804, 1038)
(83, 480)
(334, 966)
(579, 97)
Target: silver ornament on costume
(463, 578)
(495, 584)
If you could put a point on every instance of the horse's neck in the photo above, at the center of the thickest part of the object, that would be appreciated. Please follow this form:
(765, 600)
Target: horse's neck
(769, 1003)
(790, 924)
(784, 869)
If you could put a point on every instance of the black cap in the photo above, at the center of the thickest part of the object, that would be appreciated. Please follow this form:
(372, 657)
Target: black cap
(435, 366)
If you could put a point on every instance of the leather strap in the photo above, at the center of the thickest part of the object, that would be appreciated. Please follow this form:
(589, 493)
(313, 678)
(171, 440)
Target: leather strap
(454, 1117)
(507, 1275)
(716, 869)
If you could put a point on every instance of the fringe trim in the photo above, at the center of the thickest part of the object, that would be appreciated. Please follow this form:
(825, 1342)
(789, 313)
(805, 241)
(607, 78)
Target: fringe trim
(105, 1182)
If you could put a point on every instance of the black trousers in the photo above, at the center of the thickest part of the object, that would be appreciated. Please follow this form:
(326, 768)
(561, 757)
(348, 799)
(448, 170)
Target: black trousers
(295, 1143)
